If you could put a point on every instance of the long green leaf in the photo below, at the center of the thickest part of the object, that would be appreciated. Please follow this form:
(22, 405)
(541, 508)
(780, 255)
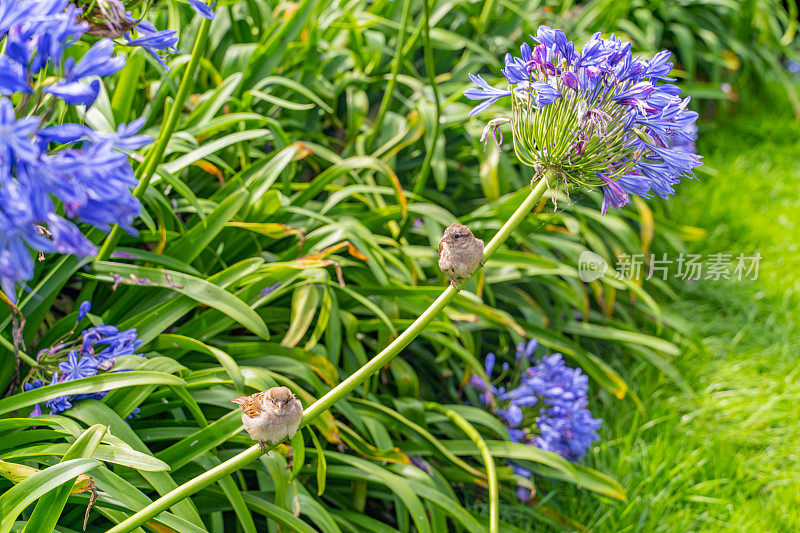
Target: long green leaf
(48, 509)
(195, 288)
(24, 493)
(92, 384)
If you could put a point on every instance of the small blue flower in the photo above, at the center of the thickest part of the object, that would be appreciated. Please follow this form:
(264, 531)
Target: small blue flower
(125, 138)
(68, 238)
(13, 77)
(98, 61)
(66, 133)
(76, 93)
(422, 464)
(203, 9)
(35, 384)
(15, 135)
(267, 290)
(76, 367)
(525, 351)
(60, 404)
(513, 414)
(483, 92)
(154, 41)
(635, 93)
(84, 309)
(544, 93)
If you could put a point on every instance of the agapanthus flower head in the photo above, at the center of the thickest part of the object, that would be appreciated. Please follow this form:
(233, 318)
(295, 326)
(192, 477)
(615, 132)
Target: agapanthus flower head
(95, 351)
(595, 117)
(547, 408)
(53, 176)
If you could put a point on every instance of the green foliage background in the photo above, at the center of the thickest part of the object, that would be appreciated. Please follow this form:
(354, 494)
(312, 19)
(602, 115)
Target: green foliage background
(314, 138)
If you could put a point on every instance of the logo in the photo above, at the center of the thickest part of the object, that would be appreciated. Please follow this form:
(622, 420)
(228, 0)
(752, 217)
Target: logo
(591, 266)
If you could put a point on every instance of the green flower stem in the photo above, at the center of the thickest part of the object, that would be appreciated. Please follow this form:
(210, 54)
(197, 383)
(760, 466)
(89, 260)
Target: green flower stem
(345, 387)
(491, 473)
(148, 168)
(486, 12)
(430, 69)
(388, 93)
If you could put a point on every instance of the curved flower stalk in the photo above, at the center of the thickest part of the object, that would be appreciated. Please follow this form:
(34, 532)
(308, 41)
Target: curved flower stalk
(53, 175)
(345, 387)
(546, 409)
(597, 117)
(96, 350)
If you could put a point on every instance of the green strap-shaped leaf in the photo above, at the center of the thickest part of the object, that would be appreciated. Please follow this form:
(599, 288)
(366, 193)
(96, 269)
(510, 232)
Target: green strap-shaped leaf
(214, 146)
(92, 384)
(232, 492)
(395, 483)
(436, 443)
(322, 465)
(132, 499)
(551, 464)
(153, 322)
(214, 100)
(317, 513)
(362, 521)
(94, 412)
(195, 288)
(194, 241)
(118, 455)
(616, 334)
(278, 514)
(48, 509)
(146, 256)
(24, 493)
(186, 449)
(168, 340)
(305, 300)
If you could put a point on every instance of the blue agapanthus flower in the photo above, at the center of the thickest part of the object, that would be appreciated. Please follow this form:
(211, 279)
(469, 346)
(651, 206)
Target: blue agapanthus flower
(83, 310)
(203, 9)
(60, 403)
(547, 408)
(35, 384)
(156, 42)
(53, 176)
(597, 116)
(97, 62)
(95, 351)
(77, 367)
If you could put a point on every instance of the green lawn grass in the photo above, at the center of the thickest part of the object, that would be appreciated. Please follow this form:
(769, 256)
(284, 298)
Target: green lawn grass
(726, 459)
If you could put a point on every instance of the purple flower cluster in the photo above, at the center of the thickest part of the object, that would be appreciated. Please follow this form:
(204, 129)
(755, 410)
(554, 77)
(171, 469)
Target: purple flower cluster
(96, 351)
(546, 409)
(597, 116)
(54, 175)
